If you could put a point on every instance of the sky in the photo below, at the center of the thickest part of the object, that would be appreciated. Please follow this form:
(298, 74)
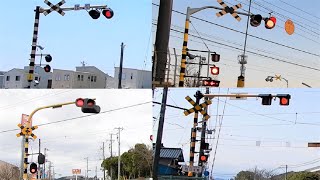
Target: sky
(69, 142)
(282, 131)
(306, 37)
(77, 37)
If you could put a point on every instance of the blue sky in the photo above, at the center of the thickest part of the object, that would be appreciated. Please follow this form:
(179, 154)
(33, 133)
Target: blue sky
(77, 37)
(258, 68)
(283, 131)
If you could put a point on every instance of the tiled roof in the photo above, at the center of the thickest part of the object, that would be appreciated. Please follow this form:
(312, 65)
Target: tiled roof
(172, 153)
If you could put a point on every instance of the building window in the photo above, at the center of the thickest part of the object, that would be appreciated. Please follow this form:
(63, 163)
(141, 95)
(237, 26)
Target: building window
(65, 77)
(78, 77)
(68, 77)
(94, 78)
(81, 77)
(8, 78)
(17, 78)
(131, 76)
(91, 78)
(88, 78)
(58, 78)
(123, 76)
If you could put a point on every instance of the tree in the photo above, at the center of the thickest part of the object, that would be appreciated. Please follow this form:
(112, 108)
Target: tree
(9, 172)
(245, 175)
(255, 174)
(304, 176)
(136, 162)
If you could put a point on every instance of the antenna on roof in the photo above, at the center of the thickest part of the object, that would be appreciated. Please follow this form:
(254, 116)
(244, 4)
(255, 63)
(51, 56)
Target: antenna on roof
(83, 63)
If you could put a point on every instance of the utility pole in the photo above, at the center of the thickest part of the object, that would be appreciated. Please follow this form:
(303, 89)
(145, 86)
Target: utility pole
(104, 171)
(286, 172)
(22, 157)
(120, 68)
(44, 165)
(162, 41)
(50, 170)
(96, 174)
(38, 172)
(119, 156)
(87, 171)
(243, 58)
(159, 134)
(111, 141)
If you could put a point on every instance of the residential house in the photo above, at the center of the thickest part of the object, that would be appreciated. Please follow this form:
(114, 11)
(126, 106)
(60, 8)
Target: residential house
(134, 78)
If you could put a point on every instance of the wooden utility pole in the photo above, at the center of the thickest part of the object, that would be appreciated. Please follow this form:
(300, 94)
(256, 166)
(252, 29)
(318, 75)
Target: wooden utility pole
(159, 134)
(120, 67)
(162, 40)
(104, 158)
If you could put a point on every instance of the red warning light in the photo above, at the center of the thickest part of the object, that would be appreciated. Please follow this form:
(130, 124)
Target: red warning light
(203, 158)
(284, 101)
(270, 22)
(108, 13)
(79, 102)
(214, 70)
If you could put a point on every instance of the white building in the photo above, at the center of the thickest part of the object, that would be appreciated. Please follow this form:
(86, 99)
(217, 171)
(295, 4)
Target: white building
(133, 78)
(86, 77)
(2, 79)
(17, 78)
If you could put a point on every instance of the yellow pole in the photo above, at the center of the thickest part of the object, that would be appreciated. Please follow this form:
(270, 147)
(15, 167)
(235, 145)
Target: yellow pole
(184, 51)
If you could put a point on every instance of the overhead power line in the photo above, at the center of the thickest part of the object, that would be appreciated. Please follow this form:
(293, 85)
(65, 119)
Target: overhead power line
(279, 44)
(269, 57)
(70, 119)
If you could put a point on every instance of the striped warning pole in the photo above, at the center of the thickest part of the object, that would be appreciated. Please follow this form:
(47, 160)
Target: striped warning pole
(25, 157)
(34, 46)
(184, 49)
(193, 132)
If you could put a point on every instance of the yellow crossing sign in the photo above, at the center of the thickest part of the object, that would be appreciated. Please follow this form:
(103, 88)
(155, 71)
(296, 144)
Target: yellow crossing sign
(230, 10)
(27, 131)
(197, 107)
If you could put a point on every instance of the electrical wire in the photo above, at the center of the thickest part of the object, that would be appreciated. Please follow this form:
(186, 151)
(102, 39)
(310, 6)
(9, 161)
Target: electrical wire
(79, 117)
(279, 44)
(220, 124)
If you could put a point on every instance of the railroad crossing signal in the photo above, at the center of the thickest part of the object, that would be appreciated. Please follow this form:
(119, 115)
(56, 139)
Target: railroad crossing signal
(215, 57)
(108, 13)
(33, 168)
(197, 107)
(211, 83)
(270, 22)
(228, 9)
(267, 99)
(48, 59)
(214, 70)
(27, 131)
(284, 99)
(87, 105)
(54, 7)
